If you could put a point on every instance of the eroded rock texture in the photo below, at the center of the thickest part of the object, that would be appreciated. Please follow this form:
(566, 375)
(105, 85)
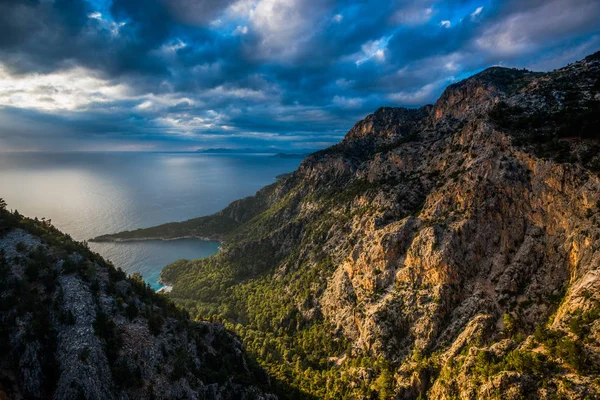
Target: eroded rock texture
(74, 327)
(456, 242)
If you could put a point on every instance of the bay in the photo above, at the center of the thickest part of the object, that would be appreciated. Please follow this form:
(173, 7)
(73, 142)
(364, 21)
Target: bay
(89, 194)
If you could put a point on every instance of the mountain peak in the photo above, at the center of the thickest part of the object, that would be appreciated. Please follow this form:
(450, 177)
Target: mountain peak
(449, 251)
(387, 124)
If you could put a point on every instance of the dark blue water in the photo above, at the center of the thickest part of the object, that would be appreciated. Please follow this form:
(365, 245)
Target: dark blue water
(89, 194)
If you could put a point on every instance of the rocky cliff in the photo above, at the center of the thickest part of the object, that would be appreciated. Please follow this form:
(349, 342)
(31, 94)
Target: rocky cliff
(74, 327)
(450, 251)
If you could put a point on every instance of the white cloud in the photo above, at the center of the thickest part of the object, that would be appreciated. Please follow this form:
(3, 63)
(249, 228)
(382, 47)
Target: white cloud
(110, 25)
(344, 84)
(373, 49)
(451, 66)
(189, 125)
(412, 15)
(239, 93)
(77, 89)
(172, 47)
(146, 105)
(527, 31)
(282, 25)
(416, 97)
(338, 18)
(240, 30)
(241, 9)
(348, 102)
(66, 90)
(445, 24)
(476, 12)
(282, 28)
(379, 55)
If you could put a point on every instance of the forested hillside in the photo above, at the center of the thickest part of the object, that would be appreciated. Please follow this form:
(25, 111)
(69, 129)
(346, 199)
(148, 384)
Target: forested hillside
(444, 252)
(74, 327)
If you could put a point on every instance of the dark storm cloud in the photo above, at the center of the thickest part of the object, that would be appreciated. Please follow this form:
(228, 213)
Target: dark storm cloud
(187, 73)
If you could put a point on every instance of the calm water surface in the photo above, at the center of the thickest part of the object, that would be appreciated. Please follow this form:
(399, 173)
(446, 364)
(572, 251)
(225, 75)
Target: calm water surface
(89, 194)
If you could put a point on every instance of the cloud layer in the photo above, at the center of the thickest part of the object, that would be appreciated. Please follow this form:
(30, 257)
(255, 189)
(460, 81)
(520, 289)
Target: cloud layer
(187, 74)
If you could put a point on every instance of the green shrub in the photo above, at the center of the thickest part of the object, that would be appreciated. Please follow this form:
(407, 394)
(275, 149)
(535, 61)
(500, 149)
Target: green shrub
(527, 362)
(581, 322)
(509, 325)
(68, 266)
(180, 365)
(107, 330)
(155, 323)
(84, 354)
(32, 270)
(67, 318)
(562, 346)
(132, 310)
(125, 375)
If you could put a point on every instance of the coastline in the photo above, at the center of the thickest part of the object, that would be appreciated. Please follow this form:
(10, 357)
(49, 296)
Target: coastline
(146, 239)
(165, 289)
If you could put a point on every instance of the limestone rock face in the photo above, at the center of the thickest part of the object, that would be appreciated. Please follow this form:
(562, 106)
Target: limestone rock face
(73, 327)
(463, 239)
(388, 124)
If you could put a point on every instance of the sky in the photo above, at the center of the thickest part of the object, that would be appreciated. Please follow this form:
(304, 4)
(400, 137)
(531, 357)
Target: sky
(181, 75)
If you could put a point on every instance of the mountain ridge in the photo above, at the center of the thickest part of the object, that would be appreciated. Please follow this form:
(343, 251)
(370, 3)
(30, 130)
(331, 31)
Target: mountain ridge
(73, 326)
(441, 252)
(394, 117)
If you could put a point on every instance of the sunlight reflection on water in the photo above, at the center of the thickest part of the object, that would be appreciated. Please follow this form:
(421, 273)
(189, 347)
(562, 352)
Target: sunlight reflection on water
(88, 194)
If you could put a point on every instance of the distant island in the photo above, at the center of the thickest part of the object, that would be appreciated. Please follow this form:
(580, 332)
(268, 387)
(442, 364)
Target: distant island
(227, 150)
(279, 153)
(291, 155)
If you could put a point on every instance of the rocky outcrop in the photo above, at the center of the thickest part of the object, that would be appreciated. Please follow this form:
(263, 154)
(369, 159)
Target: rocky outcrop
(454, 247)
(387, 125)
(74, 327)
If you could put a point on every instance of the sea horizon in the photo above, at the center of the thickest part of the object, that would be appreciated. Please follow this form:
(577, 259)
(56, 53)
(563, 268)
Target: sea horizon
(87, 194)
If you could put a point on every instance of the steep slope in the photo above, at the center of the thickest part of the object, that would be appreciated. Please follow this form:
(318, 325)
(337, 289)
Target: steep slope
(212, 227)
(74, 327)
(448, 251)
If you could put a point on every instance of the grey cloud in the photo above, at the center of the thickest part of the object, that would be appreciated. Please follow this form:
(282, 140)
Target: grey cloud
(187, 79)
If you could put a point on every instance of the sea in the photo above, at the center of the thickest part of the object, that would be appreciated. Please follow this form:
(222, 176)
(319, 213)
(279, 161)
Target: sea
(89, 194)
